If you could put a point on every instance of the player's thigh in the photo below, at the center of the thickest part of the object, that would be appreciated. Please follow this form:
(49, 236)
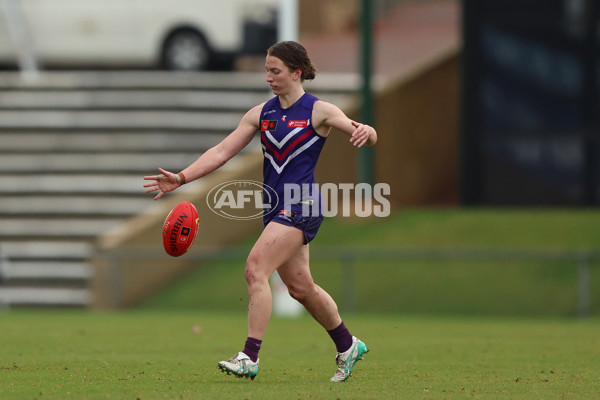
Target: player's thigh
(275, 246)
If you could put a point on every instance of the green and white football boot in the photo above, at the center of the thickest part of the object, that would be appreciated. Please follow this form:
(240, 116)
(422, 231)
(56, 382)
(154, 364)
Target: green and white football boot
(240, 365)
(346, 360)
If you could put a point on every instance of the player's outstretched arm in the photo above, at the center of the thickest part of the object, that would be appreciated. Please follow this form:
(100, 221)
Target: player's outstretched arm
(211, 160)
(327, 115)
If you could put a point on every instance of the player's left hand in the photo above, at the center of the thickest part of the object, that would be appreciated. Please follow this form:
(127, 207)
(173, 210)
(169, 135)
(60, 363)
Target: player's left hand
(361, 134)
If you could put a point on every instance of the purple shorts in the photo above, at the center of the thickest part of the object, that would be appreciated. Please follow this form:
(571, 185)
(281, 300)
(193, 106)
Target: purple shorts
(308, 225)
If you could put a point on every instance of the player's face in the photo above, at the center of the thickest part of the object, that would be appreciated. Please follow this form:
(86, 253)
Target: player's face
(279, 76)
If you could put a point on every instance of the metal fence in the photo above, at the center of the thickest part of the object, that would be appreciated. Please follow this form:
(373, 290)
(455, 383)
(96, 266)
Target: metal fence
(348, 257)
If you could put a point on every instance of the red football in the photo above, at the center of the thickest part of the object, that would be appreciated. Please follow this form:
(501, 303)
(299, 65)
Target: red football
(180, 229)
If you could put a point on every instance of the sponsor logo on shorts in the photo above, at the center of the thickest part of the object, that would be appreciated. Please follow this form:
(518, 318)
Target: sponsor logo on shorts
(287, 215)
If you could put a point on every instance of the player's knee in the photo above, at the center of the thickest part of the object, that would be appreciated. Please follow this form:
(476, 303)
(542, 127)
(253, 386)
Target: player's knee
(253, 272)
(250, 274)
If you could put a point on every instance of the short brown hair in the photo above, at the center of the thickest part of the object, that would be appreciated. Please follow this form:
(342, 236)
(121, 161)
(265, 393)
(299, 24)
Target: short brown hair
(294, 56)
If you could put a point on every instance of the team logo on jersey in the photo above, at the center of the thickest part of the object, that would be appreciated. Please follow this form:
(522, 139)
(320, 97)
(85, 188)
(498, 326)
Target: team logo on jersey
(297, 123)
(268, 125)
(283, 118)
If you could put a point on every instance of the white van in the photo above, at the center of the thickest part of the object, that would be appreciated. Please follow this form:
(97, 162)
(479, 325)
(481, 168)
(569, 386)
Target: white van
(172, 34)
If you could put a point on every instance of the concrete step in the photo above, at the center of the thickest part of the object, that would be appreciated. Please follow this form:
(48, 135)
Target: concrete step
(119, 120)
(131, 99)
(67, 204)
(113, 140)
(132, 80)
(36, 296)
(48, 227)
(96, 162)
(51, 270)
(159, 100)
(105, 184)
(57, 250)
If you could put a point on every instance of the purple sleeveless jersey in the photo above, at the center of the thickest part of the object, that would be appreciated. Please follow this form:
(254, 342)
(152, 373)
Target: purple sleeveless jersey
(291, 148)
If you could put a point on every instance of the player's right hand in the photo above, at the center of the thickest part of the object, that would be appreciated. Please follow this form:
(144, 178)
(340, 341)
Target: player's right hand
(164, 182)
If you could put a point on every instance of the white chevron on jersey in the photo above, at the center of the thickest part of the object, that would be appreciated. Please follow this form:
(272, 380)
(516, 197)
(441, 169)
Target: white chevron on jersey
(285, 139)
(291, 156)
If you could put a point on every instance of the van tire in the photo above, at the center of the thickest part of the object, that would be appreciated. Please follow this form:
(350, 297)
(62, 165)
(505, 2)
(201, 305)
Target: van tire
(185, 50)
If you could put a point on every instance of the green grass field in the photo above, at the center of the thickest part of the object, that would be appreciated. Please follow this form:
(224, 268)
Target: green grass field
(170, 355)
(436, 330)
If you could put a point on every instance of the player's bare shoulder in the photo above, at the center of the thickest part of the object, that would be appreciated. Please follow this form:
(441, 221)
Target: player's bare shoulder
(327, 115)
(253, 115)
(323, 110)
(321, 116)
